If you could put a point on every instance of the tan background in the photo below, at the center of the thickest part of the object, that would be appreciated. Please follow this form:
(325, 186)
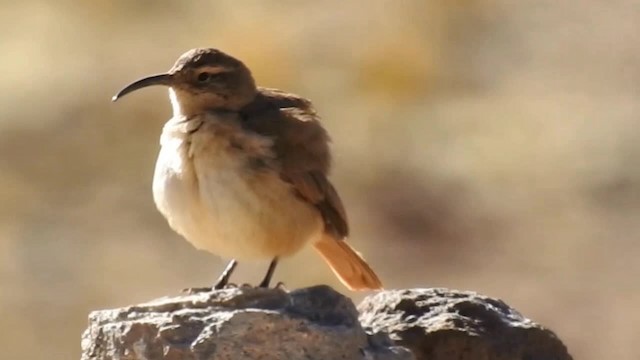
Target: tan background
(482, 145)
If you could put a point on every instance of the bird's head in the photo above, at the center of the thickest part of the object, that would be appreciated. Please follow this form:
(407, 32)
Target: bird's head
(201, 80)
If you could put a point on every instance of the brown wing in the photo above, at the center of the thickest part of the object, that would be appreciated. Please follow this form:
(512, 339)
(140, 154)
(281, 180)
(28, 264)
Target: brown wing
(302, 151)
(315, 188)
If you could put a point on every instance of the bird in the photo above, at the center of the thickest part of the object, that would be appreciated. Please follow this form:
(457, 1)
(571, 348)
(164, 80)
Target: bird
(242, 170)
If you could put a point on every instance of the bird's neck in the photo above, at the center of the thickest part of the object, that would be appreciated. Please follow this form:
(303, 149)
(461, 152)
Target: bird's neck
(189, 105)
(180, 105)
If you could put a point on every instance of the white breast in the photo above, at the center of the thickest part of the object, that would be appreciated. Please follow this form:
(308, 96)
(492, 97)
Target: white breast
(209, 195)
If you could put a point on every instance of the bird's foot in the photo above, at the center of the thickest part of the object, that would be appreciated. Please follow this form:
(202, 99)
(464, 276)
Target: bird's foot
(280, 286)
(197, 290)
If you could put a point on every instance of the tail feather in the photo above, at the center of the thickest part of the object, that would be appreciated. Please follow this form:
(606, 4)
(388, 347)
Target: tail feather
(347, 264)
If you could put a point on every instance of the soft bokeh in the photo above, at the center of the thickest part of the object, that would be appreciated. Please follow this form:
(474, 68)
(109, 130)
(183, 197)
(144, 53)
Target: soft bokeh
(479, 145)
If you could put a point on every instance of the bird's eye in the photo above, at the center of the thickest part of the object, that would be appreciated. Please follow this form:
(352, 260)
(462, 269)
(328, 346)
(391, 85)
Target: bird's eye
(204, 77)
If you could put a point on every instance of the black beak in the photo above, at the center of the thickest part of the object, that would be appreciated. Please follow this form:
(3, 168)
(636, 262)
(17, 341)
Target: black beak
(160, 79)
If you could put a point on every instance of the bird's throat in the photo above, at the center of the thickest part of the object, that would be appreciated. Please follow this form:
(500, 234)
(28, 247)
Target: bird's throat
(175, 104)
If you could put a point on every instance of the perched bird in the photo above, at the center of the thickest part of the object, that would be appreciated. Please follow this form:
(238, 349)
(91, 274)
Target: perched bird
(242, 170)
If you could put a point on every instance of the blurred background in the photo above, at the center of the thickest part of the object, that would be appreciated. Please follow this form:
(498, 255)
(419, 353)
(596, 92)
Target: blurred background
(479, 145)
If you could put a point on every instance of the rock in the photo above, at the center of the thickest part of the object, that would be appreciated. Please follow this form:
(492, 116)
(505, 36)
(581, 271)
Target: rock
(319, 323)
(439, 324)
(237, 323)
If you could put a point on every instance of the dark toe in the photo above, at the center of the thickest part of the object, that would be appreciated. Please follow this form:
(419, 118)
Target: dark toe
(197, 290)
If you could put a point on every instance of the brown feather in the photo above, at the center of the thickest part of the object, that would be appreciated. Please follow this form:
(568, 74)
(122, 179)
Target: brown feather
(301, 151)
(348, 265)
(303, 159)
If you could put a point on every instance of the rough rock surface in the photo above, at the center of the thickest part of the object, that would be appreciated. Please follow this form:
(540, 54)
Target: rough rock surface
(237, 323)
(439, 324)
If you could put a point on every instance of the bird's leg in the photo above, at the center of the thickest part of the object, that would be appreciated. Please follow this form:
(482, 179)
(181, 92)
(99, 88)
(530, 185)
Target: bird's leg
(267, 278)
(223, 280)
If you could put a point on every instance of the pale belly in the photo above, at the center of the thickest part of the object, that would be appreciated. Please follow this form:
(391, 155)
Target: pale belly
(212, 199)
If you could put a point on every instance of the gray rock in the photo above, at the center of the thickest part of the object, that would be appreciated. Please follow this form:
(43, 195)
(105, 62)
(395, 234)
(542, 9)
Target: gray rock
(237, 323)
(439, 324)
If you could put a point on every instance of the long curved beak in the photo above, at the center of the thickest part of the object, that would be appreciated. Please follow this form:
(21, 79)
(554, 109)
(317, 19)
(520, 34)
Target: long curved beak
(159, 79)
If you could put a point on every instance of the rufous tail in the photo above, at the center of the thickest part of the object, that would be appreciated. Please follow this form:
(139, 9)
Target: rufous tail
(347, 264)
